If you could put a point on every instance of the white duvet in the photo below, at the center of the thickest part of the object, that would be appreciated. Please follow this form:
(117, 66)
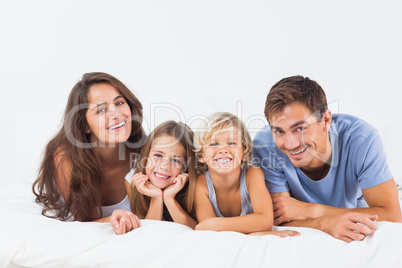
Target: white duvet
(28, 239)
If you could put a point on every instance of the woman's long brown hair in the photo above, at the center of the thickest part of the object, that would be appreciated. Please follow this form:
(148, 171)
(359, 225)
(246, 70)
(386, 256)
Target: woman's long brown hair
(74, 147)
(183, 135)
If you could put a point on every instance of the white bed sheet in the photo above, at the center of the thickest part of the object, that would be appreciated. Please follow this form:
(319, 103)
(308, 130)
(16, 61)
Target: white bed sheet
(28, 239)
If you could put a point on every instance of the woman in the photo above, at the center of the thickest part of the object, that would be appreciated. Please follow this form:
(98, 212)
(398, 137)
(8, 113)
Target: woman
(85, 165)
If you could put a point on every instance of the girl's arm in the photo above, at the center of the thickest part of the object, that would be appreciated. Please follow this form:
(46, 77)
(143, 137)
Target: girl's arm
(260, 220)
(202, 205)
(177, 213)
(155, 210)
(145, 187)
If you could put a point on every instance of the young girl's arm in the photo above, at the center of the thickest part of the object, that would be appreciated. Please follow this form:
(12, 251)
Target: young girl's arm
(177, 213)
(260, 220)
(202, 205)
(145, 187)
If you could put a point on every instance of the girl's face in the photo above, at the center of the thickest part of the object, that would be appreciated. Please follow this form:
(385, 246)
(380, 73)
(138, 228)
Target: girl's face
(108, 115)
(224, 152)
(166, 160)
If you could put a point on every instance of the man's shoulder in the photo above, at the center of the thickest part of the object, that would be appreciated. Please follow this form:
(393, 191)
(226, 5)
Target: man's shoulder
(351, 126)
(263, 136)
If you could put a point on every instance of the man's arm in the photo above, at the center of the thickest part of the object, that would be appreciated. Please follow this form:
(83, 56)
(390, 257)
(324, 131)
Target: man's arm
(345, 224)
(382, 200)
(349, 226)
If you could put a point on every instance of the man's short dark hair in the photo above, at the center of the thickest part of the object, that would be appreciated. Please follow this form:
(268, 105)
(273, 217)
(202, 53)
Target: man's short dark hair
(296, 89)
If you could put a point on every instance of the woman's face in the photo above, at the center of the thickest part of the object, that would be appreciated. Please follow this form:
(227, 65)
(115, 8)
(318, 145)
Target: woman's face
(108, 115)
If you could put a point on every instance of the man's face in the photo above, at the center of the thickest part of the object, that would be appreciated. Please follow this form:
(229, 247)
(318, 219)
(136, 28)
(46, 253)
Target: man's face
(301, 136)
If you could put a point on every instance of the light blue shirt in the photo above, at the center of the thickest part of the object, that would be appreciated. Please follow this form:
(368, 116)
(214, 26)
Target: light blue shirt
(358, 162)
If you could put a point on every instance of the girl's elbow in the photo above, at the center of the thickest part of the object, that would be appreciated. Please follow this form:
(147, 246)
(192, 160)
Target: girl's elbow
(397, 218)
(267, 224)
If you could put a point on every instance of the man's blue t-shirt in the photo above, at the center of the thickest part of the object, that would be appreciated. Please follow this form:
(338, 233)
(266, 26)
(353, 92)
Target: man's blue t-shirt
(358, 162)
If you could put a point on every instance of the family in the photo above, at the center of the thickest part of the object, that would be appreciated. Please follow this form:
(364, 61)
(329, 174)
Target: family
(306, 168)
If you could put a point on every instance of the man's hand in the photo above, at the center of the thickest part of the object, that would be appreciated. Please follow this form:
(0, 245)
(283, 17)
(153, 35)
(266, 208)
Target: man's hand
(288, 209)
(351, 226)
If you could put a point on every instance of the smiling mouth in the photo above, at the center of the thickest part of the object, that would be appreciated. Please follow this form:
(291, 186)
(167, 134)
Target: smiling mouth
(299, 152)
(222, 160)
(119, 125)
(160, 176)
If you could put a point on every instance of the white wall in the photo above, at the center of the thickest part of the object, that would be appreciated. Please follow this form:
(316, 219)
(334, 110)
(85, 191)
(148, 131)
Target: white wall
(200, 56)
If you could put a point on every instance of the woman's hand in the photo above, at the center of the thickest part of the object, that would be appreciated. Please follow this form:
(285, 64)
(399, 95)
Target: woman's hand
(124, 221)
(144, 186)
(178, 184)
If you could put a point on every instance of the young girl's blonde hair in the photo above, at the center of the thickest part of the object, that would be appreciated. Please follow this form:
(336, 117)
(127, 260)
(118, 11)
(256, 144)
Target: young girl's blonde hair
(221, 122)
(184, 135)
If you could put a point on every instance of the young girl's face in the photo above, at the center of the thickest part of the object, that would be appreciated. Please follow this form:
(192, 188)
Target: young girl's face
(223, 152)
(166, 160)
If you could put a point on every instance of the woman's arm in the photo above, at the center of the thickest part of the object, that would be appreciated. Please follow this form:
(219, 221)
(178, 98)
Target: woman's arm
(63, 177)
(122, 221)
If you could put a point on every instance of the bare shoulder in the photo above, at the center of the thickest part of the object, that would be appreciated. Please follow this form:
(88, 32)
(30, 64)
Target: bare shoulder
(60, 157)
(63, 167)
(254, 175)
(201, 185)
(201, 181)
(254, 171)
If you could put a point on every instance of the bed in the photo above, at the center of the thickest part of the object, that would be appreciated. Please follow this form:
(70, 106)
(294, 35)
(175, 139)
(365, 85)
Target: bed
(28, 239)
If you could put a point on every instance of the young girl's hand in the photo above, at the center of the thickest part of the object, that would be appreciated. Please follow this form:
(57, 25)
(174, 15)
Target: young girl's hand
(124, 221)
(144, 186)
(282, 233)
(178, 184)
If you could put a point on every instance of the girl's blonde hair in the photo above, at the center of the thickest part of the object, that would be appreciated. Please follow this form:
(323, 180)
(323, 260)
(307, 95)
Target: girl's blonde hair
(221, 122)
(184, 135)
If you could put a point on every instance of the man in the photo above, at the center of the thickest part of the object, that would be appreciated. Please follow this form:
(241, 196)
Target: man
(323, 171)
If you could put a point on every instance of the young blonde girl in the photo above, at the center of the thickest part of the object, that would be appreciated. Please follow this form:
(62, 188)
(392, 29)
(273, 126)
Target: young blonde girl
(164, 181)
(230, 195)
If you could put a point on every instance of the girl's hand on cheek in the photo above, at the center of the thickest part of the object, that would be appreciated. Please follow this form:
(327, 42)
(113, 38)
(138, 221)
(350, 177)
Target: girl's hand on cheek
(144, 186)
(178, 184)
